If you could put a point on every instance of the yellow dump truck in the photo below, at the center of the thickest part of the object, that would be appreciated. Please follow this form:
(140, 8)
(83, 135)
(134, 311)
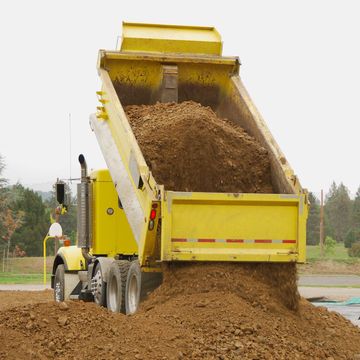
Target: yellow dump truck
(128, 223)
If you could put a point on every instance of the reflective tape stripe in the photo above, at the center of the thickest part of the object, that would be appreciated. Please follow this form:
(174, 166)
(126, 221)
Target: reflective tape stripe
(246, 241)
(206, 240)
(179, 240)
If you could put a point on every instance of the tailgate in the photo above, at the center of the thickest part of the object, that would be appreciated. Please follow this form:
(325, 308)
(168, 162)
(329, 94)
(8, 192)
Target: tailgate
(233, 227)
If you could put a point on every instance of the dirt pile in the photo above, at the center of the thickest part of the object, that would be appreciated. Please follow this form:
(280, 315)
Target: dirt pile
(18, 298)
(189, 148)
(255, 282)
(195, 314)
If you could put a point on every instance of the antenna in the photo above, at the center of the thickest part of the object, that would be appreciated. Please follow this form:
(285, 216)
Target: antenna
(70, 146)
(117, 42)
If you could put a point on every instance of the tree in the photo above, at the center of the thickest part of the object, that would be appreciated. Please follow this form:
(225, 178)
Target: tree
(352, 236)
(313, 222)
(35, 222)
(356, 211)
(11, 222)
(3, 197)
(338, 211)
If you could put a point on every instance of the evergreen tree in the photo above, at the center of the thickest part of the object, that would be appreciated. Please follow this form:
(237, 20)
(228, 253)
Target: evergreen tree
(313, 222)
(353, 234)
(356, 211)
(338, 211)
(35, 223)
(3, 197)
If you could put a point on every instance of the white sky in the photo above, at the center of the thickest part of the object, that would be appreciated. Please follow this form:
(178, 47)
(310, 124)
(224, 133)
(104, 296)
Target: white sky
(300, 63)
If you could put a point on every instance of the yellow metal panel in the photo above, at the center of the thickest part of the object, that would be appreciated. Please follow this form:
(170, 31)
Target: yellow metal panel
(303, 215)
(111, 231)
(234, 256)
(170, 39)
(73, 257)
(109, 55)
(233, 227)
(253, 220)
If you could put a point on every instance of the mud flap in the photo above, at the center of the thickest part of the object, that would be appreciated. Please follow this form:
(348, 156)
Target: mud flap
(72, 286)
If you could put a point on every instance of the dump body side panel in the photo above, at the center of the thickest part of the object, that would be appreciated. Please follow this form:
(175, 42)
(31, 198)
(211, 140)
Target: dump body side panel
(233, 227)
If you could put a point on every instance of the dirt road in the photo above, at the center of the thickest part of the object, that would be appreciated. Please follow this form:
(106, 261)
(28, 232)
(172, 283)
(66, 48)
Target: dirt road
(333, 280)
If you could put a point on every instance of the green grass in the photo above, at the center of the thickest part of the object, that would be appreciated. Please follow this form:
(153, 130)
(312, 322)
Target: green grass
(12, 278)
(339, 253)
(27, 270)
(29, 265)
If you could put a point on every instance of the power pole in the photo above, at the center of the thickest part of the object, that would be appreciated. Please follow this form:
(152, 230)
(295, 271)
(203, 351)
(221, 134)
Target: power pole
(322, 224)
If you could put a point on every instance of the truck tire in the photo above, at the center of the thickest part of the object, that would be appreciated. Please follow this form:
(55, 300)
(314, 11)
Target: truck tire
(115, 289)
(59, 283)
(133, 288)
(98, 286)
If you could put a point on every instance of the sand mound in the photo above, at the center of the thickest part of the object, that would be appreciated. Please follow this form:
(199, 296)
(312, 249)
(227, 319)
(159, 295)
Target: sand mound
(188, 148)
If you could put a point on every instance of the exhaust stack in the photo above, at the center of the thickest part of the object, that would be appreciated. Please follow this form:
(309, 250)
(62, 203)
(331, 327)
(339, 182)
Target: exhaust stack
(83, 166)
(84, 196)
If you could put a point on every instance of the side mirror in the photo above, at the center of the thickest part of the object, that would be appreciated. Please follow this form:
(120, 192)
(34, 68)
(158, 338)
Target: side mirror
(60, 192)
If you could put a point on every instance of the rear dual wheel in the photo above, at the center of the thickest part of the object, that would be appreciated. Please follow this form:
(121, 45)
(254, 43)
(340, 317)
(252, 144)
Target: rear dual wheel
(123, 287)
(98, 286)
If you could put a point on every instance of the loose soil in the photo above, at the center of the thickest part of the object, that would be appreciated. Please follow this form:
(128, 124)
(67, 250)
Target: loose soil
(203, 311)
(188, 148)
(10, 299)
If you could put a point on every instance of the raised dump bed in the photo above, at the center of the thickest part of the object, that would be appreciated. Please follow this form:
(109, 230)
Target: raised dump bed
(179, 64)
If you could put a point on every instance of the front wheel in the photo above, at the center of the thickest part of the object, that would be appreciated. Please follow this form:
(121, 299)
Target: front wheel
(59, 284)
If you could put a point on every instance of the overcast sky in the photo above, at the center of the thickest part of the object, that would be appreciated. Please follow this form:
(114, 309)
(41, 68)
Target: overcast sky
(300, 64)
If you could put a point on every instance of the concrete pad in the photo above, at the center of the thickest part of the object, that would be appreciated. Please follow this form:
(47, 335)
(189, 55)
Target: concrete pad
(331, 293)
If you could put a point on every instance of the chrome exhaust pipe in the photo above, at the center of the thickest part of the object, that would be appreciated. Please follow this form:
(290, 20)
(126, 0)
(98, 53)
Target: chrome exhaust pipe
(84, 195)
(83, 166)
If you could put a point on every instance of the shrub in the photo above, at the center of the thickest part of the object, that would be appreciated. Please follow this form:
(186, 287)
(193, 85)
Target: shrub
(354, 251)
(352, 236)
(329, 245)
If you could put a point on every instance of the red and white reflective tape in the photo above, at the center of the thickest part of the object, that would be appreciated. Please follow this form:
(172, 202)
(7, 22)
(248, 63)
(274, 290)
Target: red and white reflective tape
(243, 241)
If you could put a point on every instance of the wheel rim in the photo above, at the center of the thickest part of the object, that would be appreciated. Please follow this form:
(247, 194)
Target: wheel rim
(57, 292)
(133, 294)
(113, 294)
(96, 287)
